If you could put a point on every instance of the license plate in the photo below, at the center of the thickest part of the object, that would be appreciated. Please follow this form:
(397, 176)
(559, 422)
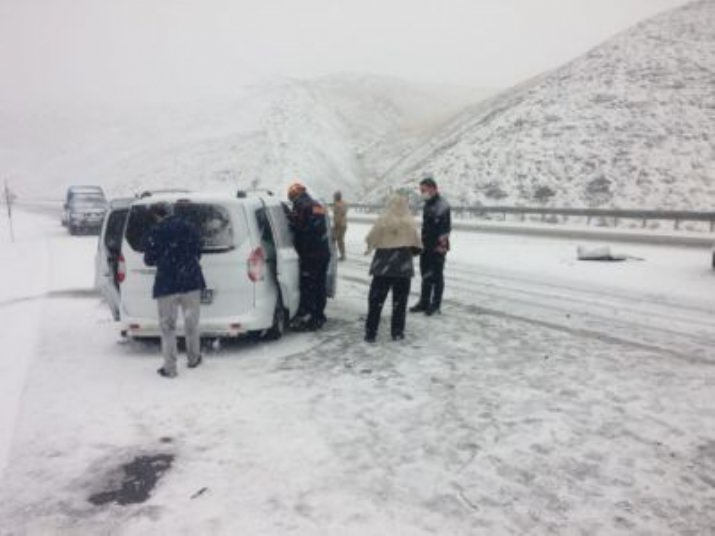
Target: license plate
(207, 296)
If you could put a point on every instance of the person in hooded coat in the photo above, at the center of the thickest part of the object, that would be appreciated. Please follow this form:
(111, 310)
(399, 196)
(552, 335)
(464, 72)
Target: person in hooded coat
(395, 240)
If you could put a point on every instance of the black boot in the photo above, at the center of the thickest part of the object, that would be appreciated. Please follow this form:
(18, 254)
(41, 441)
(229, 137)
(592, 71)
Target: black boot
(315, 323)
(419, 307)
(165, 374)
(433, 310)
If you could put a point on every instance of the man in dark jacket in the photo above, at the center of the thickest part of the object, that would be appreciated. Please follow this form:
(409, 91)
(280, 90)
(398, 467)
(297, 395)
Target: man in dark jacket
(436, 227)
(173, 245)
(310, 234)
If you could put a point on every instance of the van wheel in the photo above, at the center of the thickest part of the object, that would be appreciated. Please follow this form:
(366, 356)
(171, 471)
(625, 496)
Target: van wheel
(280, 322)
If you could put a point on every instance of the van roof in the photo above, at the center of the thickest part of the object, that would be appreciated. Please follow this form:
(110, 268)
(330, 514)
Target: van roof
(203, 197)
(121, 202)
(88, 188)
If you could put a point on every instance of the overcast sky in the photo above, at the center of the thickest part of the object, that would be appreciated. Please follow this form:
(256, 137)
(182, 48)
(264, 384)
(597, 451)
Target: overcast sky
(178, 49)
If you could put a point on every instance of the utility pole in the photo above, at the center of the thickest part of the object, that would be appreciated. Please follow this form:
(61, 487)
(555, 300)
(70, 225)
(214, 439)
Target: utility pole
(9, 199)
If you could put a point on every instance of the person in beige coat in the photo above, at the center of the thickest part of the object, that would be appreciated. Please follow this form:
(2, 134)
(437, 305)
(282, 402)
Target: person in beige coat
(340, 222)
(395, 240)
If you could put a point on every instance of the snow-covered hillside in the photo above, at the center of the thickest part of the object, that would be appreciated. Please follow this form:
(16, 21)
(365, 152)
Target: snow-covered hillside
(632, 123)
(333, 132)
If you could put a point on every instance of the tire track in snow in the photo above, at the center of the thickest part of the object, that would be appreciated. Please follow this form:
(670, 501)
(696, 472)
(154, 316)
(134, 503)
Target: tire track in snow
(601, 325)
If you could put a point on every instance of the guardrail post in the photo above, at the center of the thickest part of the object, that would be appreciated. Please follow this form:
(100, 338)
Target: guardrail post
(677, 224)
(712, 226)
(9, 200)
(644, 223)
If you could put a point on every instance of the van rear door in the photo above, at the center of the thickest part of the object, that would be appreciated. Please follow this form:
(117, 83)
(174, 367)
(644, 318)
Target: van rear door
(107, 258)
(225, 248)
(287, 261)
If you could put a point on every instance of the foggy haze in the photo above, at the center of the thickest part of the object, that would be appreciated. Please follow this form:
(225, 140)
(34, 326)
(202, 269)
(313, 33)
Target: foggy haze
(151, 50)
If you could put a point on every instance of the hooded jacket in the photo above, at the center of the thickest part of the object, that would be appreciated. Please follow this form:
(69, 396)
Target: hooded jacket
(395, 240)
(174, 247)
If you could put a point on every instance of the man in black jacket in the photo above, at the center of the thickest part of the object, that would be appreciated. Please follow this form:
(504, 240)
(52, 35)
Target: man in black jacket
(310, 234)
(436, 227)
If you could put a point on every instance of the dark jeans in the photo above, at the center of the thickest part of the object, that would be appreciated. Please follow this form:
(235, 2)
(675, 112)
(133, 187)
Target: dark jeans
(379, 289)
(432, 270)
(313, 287)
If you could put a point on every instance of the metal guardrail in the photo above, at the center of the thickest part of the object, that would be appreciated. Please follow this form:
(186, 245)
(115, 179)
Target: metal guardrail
(552, 214)
(546, 214)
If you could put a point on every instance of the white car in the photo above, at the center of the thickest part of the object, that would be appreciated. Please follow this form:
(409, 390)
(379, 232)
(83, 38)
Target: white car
(249, 263)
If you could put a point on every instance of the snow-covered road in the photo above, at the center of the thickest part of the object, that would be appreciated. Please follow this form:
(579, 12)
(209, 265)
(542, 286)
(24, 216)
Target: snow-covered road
(664, 301)
(551, 397)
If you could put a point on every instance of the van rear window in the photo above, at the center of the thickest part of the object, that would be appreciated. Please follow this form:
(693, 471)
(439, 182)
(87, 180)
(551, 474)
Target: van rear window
(212, 221)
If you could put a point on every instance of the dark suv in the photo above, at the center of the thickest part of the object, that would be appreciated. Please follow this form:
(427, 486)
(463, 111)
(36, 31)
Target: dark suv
(85, 212)
(91, 194)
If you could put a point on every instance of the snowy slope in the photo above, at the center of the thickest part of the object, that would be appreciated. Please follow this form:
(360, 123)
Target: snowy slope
(631, 123)
(333, 132)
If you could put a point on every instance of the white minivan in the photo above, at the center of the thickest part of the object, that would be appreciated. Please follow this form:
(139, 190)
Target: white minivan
(249, 263)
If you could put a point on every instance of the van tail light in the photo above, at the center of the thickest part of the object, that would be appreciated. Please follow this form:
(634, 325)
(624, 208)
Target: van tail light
(121, 269)
(256, 264)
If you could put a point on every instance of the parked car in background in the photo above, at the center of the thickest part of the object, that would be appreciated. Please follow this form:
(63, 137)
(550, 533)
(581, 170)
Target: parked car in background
(85, 214)
(92, 193)
(249, 263)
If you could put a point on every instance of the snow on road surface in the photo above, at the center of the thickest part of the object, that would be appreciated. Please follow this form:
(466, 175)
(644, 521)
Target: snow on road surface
(664, 301)
(551, 397)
